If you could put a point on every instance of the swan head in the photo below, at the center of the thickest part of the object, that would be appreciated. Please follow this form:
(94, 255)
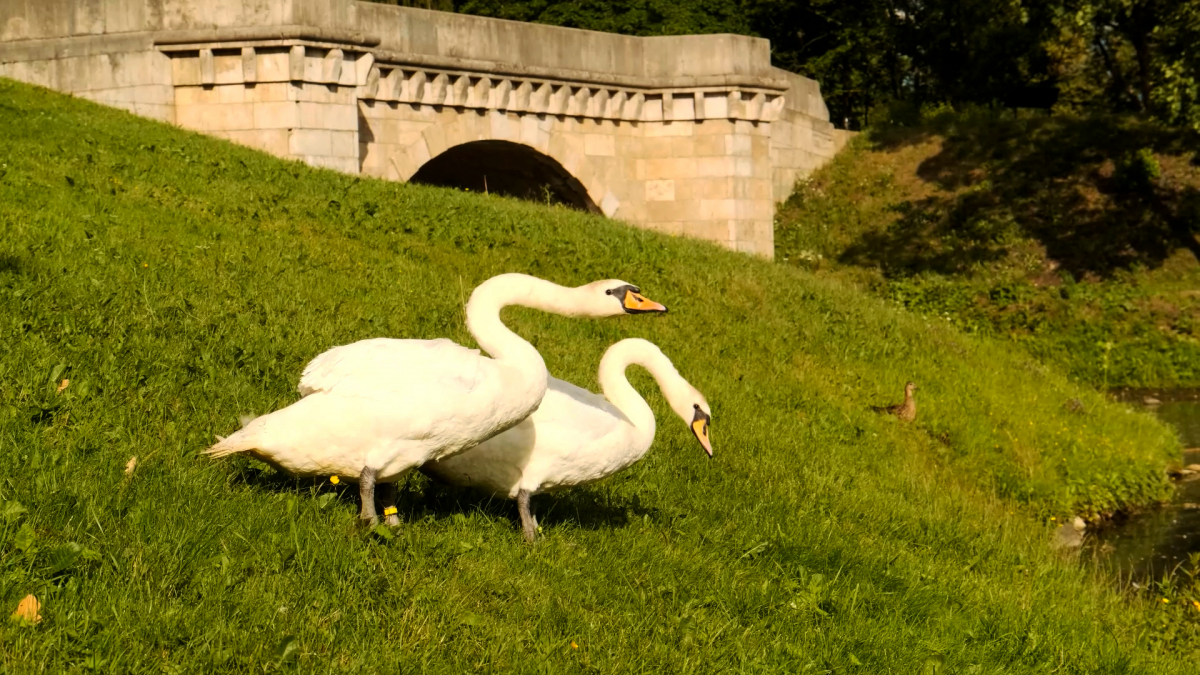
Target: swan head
(701, 420)
(613, 297)
(693, 409)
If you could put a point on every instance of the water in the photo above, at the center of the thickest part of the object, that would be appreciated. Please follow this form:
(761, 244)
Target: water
(1151, 544)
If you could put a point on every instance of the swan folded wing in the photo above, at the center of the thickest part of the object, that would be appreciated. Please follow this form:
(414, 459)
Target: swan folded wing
(496, 465)
(330, 433)
(576, 433)
(386, 365)
(585, 416)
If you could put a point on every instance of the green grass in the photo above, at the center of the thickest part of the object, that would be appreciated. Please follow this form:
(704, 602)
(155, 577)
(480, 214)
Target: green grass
(1076, 238)
(179, 281)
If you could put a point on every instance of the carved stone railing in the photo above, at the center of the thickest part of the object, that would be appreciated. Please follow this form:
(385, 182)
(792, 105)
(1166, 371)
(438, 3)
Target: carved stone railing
(388, 78)
(427, 86)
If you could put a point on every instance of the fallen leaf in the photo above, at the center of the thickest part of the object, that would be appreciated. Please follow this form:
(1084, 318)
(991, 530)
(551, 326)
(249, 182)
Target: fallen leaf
(129, 467)
(12, 510)
(62, 385)
(28, 610)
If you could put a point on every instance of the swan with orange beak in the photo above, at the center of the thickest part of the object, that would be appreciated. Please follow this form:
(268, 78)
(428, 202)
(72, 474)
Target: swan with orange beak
(576, 437)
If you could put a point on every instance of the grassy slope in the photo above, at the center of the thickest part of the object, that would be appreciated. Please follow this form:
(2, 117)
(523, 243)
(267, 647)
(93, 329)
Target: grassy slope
(1030, 228)
(179, 281)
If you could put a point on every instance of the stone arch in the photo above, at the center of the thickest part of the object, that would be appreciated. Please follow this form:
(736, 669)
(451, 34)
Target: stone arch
(515, 170)
(532, 139)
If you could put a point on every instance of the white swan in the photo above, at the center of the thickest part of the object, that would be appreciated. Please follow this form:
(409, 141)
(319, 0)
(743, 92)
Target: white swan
(577, 437)
(374, 409)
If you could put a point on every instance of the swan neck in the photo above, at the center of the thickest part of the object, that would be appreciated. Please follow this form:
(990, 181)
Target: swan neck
(618, 390)
(483, 314)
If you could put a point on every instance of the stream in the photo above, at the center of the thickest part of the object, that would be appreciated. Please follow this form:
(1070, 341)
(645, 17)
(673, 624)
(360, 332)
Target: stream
(1148, 545)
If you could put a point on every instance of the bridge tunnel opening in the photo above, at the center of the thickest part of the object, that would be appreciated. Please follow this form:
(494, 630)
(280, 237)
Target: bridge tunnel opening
(505, 168)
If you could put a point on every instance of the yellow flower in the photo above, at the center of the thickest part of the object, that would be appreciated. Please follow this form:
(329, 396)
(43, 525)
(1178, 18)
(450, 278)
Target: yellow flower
(1196, 604)
(1165, 601)
(335, 480)
(573, 645)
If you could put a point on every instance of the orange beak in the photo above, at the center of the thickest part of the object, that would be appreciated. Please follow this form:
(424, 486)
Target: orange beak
(636, 303)
(700, 426)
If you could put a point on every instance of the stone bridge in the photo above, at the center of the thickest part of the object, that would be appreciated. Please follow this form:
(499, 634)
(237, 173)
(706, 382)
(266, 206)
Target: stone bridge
(691, 135)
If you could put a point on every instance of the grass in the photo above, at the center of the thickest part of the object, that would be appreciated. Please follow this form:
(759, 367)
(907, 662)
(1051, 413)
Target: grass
(178, 281)
(1074, 237)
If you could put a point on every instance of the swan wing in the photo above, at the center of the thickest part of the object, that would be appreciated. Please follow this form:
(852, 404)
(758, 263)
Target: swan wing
(554, 443)
(575, 412)
(325, 434)
(386, 366)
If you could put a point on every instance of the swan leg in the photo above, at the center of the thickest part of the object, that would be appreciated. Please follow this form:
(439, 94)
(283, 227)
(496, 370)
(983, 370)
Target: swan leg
(528, 521)
(366, 492)
(387, 498)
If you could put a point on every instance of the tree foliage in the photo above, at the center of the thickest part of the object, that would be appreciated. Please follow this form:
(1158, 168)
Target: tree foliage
(875, 57)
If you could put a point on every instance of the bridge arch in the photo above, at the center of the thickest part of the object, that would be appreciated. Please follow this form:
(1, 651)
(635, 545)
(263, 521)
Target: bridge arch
(506, 168)
(531, 149)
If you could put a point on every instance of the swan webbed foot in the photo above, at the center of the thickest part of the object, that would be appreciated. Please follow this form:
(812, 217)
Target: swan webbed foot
(366, 493)
(528, 520)
(387, 498)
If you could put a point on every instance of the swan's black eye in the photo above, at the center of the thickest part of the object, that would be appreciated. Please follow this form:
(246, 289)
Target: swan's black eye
(608, 292)
(696, 406)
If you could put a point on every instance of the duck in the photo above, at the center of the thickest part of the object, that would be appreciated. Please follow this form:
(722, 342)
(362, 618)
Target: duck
(906, 410)
(577, 437)
(372, 410)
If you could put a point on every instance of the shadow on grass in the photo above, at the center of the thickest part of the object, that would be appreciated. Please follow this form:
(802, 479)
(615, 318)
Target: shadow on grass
(421, 496)
(587, 509)
(1100, 194)
(10, 264)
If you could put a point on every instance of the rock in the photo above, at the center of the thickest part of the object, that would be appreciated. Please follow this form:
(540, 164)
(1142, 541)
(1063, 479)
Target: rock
(1074, 405)
(1192, 467)
(1150, 400)
(1067, 536)
(1078, 523)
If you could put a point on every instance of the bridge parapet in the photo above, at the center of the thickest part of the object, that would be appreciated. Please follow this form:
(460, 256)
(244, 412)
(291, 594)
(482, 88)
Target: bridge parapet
(694, 135)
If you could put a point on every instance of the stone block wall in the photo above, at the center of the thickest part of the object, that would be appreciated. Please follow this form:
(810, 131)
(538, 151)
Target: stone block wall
(248, 95)
(137, 81)
(709, 179)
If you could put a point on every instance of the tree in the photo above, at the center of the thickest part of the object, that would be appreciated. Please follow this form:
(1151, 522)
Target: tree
(1144, 57)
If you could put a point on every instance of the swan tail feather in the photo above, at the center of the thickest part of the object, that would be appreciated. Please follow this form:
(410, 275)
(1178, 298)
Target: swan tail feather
(235, 443)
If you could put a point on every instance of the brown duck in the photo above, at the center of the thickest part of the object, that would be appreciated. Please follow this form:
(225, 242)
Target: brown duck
(906, 411)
